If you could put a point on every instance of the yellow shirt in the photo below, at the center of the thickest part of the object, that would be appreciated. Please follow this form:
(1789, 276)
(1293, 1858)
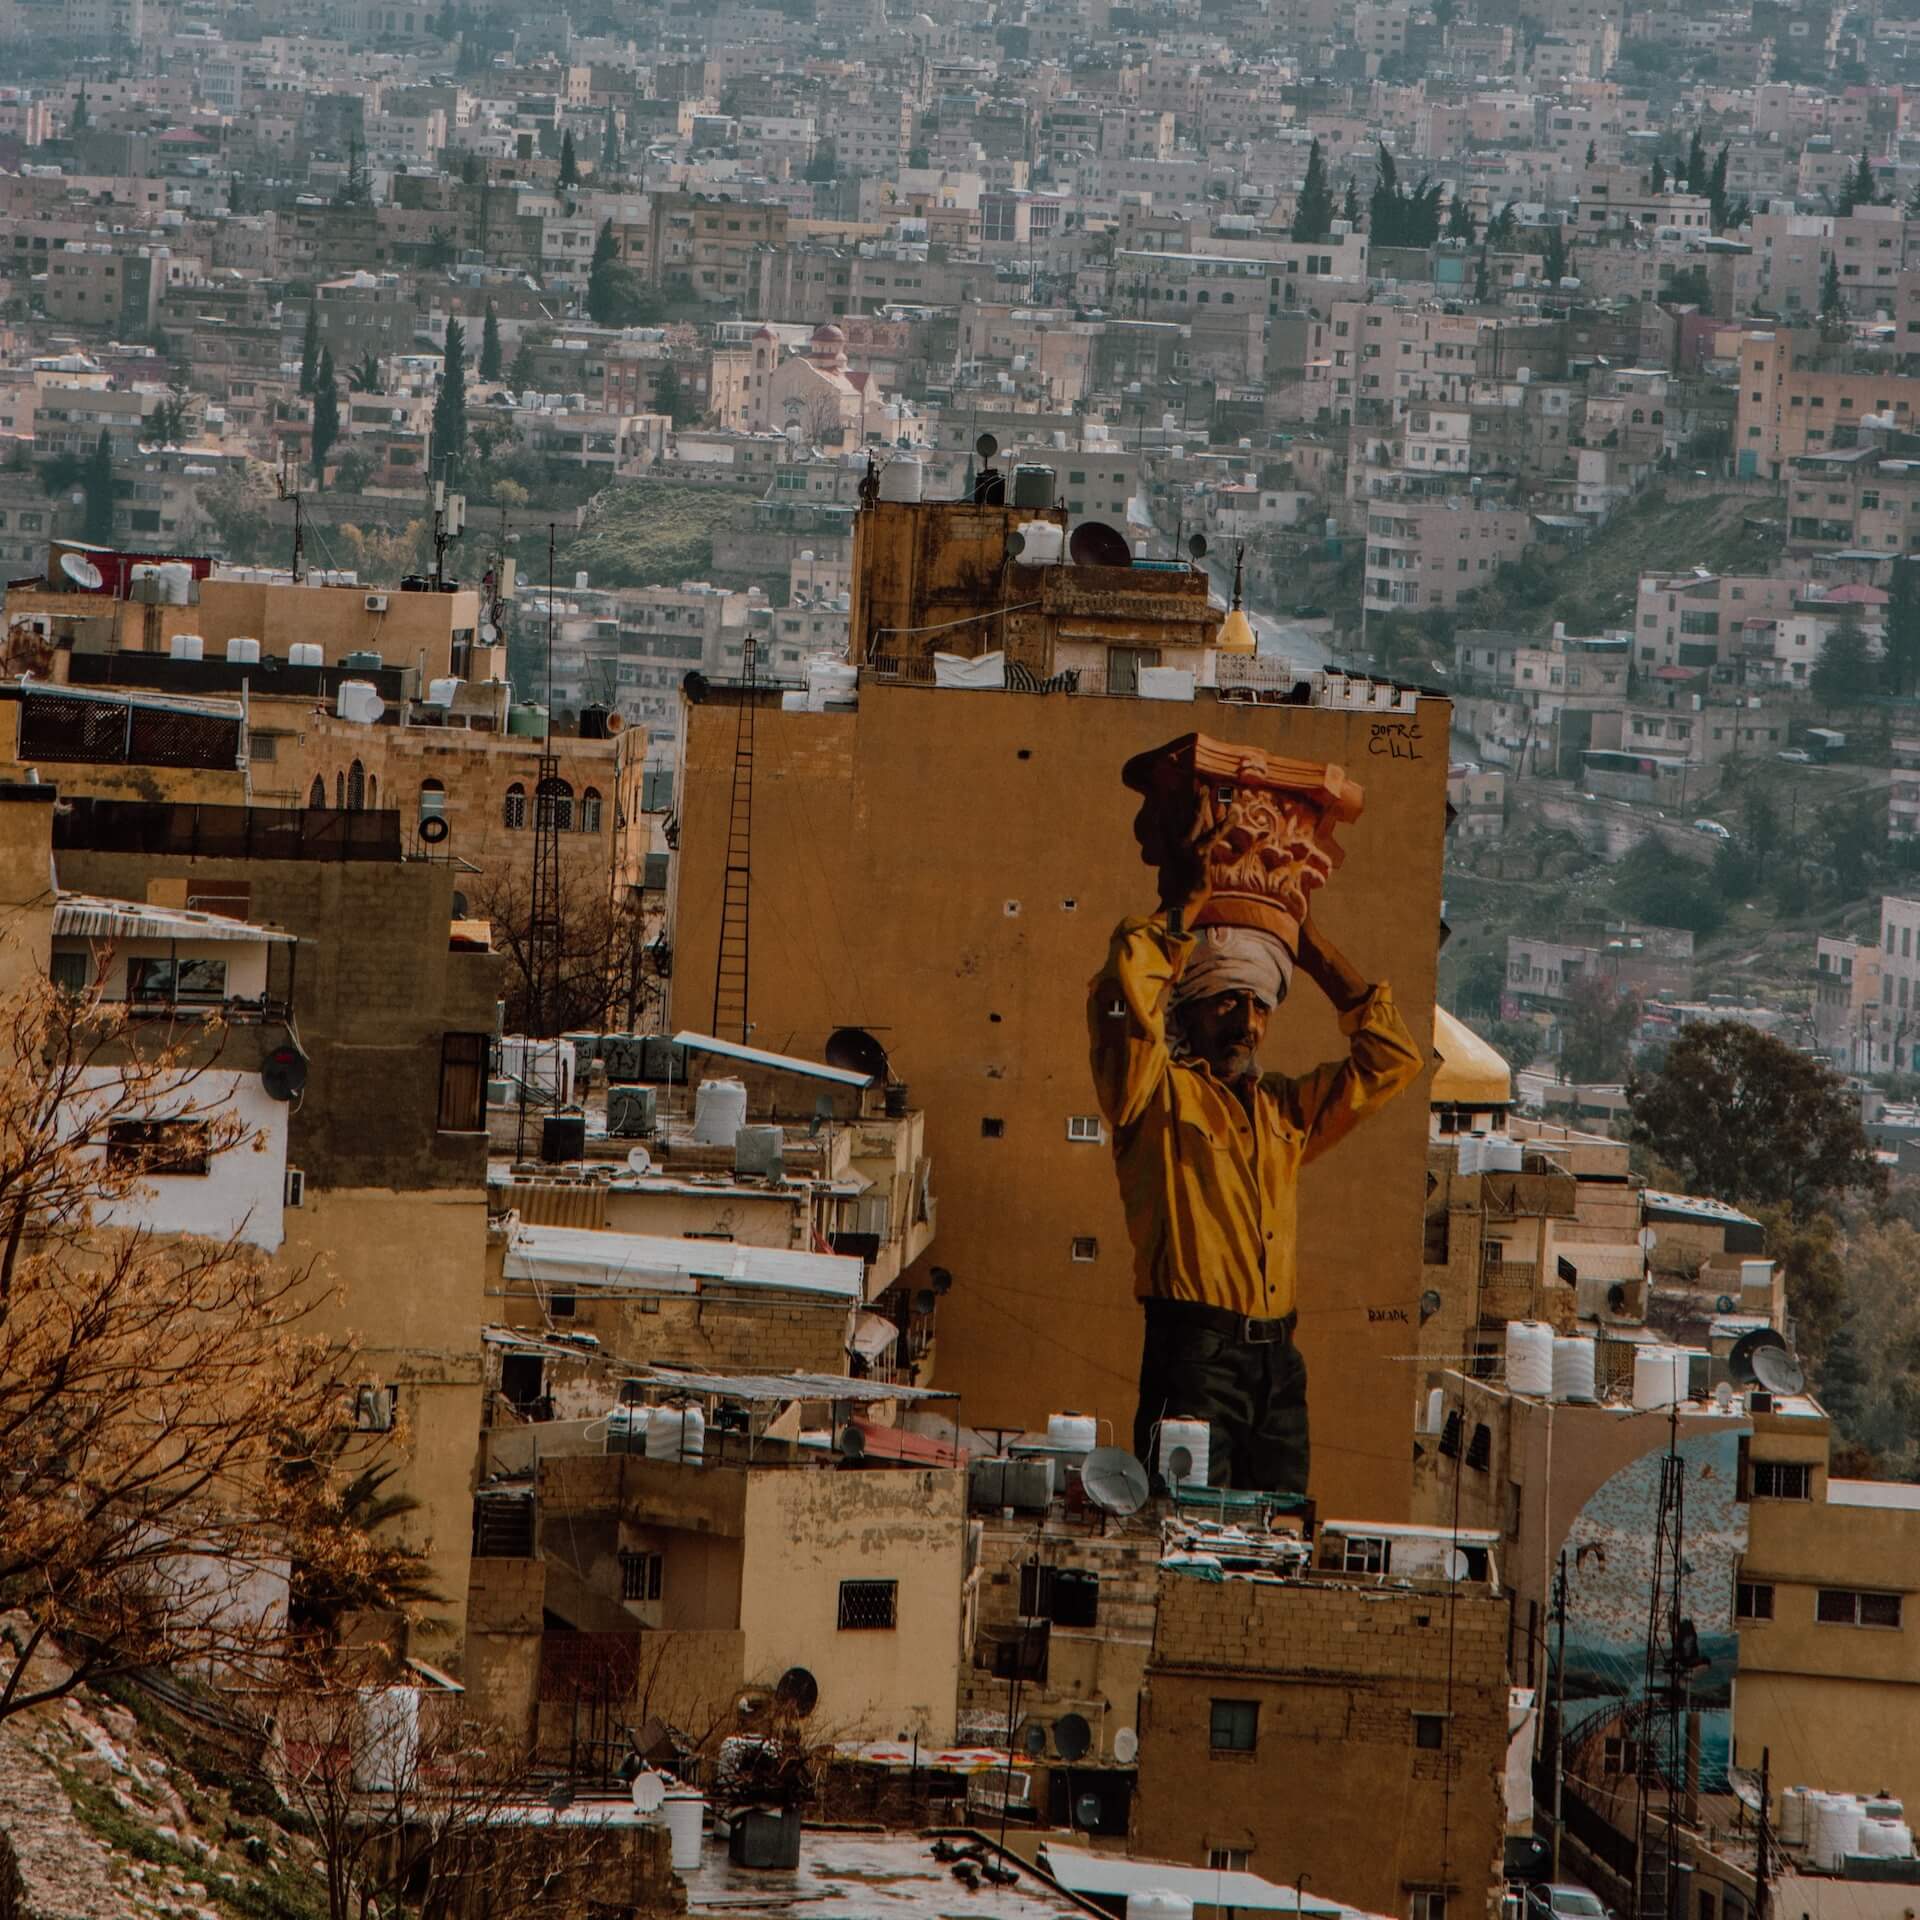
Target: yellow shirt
(1212, 1195)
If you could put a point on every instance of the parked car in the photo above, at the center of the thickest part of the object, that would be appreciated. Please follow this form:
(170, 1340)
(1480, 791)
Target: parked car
(1795, 756)
(1306, 610)
(1713, 827)
(1564, 1900)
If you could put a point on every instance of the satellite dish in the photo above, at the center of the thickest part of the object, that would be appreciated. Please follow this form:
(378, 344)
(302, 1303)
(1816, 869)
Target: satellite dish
(81, 572)
(1016, 543)
(1180, 1464)
(1033, 1739)
(853, 1443)
(283, 1075)
(1778, 1370)
(1430, 1304)
(923, 1300)
(1724, 1304)
(639, 1160)
(1072, 1736)
(939, 1279)
(1197, 546)
(855, 1050)
(798, 1691)
(649, 1792)
(1455, 1564)
(489, 633)
(1114, 1480)
(986, 446)
(1740, 1356)
(1723, 1395)
(1648, 1239)
(1126, 1746)
(1086, 1810)
(1095, 544)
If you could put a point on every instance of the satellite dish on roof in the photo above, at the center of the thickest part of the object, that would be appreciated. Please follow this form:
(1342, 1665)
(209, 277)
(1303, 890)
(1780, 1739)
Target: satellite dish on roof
(986, 446)
(1455, 1563)
(1072, 1736)
(639, 1160)
(1778, 1370)
(853, 1443)
(1724, 1304)
(855, 1050)
(940, 1280)
(1114, 1480)
(1197, 546)
(1095, 544)
(798, 1691)
(924, 1299)
(283, 1074)
(1033, 1739)
(649, 1792)
(1086, 1810)
(1126, 1746)
(1016, 543)
(1740, 1356)
(81, 572)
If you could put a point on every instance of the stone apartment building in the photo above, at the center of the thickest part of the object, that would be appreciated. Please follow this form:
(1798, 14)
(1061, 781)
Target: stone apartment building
(1846, 1000)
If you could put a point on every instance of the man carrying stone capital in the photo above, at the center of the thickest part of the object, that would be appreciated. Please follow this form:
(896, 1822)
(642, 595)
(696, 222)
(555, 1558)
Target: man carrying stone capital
(1209, 1150)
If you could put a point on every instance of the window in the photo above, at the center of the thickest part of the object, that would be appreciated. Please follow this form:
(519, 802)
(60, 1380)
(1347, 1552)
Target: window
(1083, 1127)
(433, 800)
(1233, 1726)
(356, 787)
(640, 1575)
(198, 982)
(71, 972)
(1085, 1247)
(1365, 1553)
(1227, 1859)
(867, 1606)
(992, 1128)
(158, 1146)
(1782, 1480)
(555, 798)
(589, 815)
(317, 793)
(1752, 1600)
(1430, 1731)
(1429, 1903)
(463, 1083)
(1619, 1754)
(1842, 1607)
(514, 811)
(263, 746)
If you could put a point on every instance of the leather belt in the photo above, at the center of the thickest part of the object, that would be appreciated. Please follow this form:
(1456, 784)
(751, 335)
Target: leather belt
(1236, 1326)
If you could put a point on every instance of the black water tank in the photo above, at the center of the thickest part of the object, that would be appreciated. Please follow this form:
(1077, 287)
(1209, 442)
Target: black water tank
(1033, 486)
(593, 723)
(563, 1136)
(764, 1838)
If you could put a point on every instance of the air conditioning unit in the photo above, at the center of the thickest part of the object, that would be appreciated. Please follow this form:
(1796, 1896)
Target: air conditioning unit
(296, 1194)
(376, 603)
(632, 1112)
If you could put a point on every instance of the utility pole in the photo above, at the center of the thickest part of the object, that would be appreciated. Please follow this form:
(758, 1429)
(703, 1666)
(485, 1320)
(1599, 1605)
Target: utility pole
(299, 521)
(1559, 1710)
(449, 523)
(1763, 1869)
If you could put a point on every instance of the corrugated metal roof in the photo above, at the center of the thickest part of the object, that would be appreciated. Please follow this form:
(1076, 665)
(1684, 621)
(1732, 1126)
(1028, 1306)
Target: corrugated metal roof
(778, 1062)
(89, 916)
(781, 1387)
(568, 1257)
(1110, 1877)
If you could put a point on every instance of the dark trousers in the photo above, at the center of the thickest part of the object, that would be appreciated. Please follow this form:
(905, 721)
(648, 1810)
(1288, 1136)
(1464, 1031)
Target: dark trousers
(1196, 1364)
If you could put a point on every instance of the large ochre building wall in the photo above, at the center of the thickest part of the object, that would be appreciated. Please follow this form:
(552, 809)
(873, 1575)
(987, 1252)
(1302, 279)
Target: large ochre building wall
(945, 869)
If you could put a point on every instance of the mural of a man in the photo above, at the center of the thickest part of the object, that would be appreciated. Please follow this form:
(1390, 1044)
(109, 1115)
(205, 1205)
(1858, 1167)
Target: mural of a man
(1208, 1148)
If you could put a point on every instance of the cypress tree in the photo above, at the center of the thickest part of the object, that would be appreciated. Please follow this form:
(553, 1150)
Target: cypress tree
(1313, 211)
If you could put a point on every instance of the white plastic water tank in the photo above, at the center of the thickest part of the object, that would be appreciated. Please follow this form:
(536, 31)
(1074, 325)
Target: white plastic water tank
(1078, 1431)
(1836, 1825)
(719, 1112)
(1881, 1808)
(1572, 1367)
(1158, 1903)
(1793, 1816)
(1473, 1153)
(176, 582)
(441, 693)
(1659, 1376)
(186, 646)
(676, 1433)
(685, 1813)
(1195, 1438)
(1883, 1840)
(1043, 543)
(831, 677)
(623, 1423)
(386, 1749)
(1503, 1155)
(1530, 1357)
(306, 653)
(359, 701)
(903, 479)
(243, 651)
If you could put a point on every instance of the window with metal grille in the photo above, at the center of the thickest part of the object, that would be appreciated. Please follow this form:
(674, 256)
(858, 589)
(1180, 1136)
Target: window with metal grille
(1752, 1600)
(463, 1083)
(867, 1605)
(1233, 1726)
(513, 809)
(1843, 1607)
(1430, 1731)
(1782, 1480)
(640, 1576)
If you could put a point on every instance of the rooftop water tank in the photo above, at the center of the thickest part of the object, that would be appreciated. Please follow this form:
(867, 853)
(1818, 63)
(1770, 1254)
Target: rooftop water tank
(528, 720)
(1572, 1367)
(676, 1433)
(1033, 486)
(719, 1112)
(441, 693)
(903, 479)
(1077, 1432)
(1193, 1438)
(1659, 1376)
(243, 651)
(1530, 1357)
(186, 646)
(1158, 1903)
(306, 653)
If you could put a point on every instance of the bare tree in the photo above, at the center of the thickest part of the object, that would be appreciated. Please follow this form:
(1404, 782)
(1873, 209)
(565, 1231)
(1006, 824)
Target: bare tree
(607, 974)
(170, 1417)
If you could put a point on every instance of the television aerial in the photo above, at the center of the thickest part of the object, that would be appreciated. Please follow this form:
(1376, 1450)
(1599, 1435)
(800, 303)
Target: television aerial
(1114, 1481)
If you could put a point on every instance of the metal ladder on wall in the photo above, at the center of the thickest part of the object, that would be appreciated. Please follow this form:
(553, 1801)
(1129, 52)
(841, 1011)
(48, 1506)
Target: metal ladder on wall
(730, 966)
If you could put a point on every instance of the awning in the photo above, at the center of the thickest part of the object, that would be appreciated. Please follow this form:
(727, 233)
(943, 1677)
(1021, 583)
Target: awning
(87, 916)
(873, 1334)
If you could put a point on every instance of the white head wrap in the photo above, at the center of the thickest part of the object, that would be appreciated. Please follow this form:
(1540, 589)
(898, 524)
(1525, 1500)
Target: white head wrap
(1235, 960)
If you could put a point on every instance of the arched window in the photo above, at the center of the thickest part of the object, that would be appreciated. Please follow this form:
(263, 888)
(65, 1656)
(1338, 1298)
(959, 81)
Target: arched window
(339, 788)
(589, 821)
(1657, 416)
(373, 790)
(1639, 418)
(356, 787)
(556, 802)
(515, 810)
(317, 794)
(433, 799)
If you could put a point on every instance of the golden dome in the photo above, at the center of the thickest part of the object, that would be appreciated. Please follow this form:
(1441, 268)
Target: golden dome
(1235, 635)
(1471, 1072)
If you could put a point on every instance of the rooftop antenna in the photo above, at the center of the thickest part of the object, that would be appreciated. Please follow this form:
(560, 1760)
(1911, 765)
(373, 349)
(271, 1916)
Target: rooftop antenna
(299, 520)
(543, 911)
